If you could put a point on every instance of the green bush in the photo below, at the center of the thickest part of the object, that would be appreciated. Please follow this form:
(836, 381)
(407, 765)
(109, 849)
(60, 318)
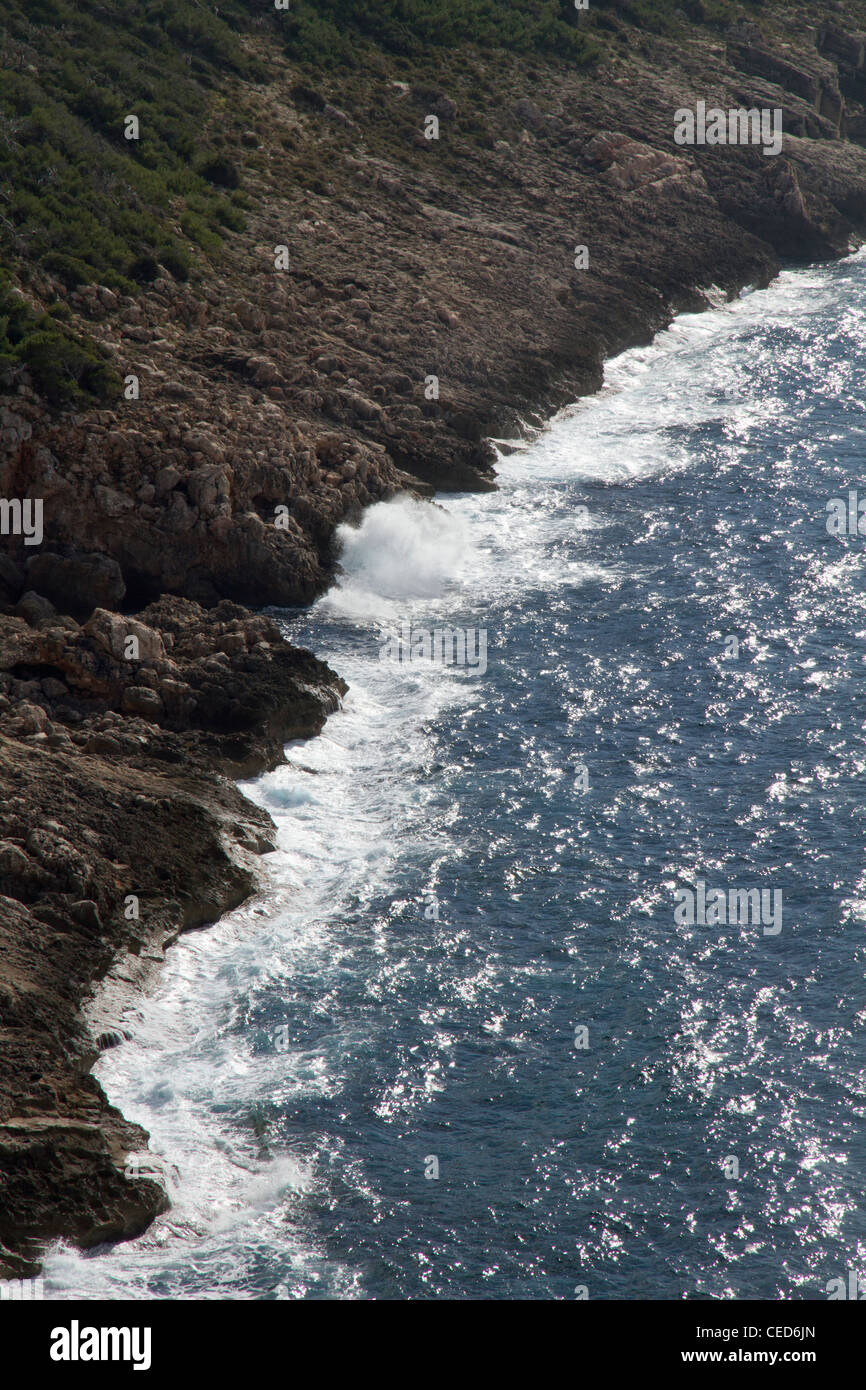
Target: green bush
(88, 206)
(144, 270)
(230, 217)
(325, 32)
(198, 231)
(86, 202)
(64, 368)
(70, 271)
(222, 172)
(177, 263)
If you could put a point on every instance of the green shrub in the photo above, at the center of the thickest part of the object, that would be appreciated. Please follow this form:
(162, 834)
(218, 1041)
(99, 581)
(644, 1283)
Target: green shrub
(70, 271)
(230, 217)
(198, 231)
(221, 171)
(177, 263)
(325, 32)
(65, 369)
(144, 270)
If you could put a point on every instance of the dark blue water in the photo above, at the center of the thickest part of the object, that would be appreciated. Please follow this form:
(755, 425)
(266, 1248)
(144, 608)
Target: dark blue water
(649, 527)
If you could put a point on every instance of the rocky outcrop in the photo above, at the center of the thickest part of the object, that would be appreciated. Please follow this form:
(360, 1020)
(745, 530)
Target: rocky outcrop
(810, 77)
(241, 506)
(430, 299)
(117, 832)
(224, 679)
(630, 164)
(846, 49)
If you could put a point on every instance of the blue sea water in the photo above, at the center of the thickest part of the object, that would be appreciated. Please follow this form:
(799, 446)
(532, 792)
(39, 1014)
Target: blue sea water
(473, 867)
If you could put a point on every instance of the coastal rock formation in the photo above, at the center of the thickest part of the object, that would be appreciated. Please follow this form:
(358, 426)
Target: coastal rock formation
(117, 831)
(424, 262)
(239, 507)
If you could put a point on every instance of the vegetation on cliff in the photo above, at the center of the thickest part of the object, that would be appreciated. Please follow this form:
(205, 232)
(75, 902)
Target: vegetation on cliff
(80, 199)
(65, 368)
(84, 202)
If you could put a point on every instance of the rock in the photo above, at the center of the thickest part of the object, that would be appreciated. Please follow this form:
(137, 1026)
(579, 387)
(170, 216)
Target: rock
(103, 744)
(76, 583)
(15, 864)
(30, 719)
(112, 632)
(849, 47)
(11, 579)
(816, 83)
(359, 406)
(630, 165)
(436, 103)
(251, 316)
(166, 479)
(334, 113)
(14, 429)
(138, 699)
(204, 443)
(209, 488)
(35, 609)
(263, 371)
(180, 516)
(527, 113)
(787, 189)
(86, 912)
(54, 689)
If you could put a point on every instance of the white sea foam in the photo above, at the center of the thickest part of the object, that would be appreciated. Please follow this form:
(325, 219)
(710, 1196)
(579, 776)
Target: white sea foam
(402, 550)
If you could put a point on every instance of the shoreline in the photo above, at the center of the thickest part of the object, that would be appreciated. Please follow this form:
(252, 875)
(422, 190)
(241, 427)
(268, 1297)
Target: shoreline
(314, 397)
(129, 977)
(345, 642)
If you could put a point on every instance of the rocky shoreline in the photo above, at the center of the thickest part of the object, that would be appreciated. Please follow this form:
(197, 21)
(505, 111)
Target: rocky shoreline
(120, 828)
(431, 301)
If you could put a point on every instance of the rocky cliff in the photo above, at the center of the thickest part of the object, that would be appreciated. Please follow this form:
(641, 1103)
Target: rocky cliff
(437, 245)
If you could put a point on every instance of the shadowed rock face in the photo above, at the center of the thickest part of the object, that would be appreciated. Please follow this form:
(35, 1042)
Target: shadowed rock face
(271, 406)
